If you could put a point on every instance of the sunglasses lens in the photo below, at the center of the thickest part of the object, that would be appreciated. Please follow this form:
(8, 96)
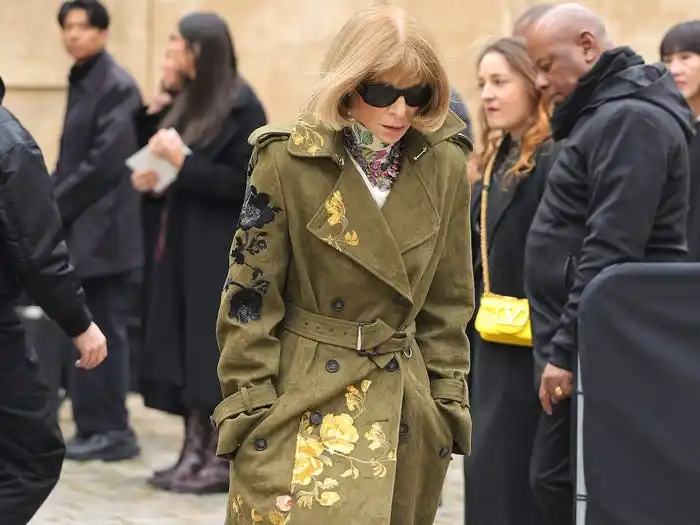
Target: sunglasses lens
(378, 95)
(418, 96)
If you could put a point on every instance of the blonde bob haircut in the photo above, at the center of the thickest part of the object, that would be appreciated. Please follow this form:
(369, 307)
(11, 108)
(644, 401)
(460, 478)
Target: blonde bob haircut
(384, 42)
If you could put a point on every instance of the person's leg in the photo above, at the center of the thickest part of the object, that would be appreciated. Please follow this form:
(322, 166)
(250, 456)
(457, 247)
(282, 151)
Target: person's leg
(31, 446)
(99, 395)
(551, 475)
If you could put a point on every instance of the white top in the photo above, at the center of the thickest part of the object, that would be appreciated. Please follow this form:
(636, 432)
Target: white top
(378, 195)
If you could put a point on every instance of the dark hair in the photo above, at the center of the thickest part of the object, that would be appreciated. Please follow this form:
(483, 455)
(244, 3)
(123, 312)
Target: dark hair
(96, 12)
(528, 17)
(681, 37)
(205, 102)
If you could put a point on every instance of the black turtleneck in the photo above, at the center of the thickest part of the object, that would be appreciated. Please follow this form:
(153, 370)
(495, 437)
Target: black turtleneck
(81, 69)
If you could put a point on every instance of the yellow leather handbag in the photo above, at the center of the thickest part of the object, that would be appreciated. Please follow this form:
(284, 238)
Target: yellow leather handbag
(500, 319)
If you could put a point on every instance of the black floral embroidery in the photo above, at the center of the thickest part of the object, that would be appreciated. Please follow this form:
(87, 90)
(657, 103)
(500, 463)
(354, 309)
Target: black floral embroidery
(253, 245)
(246, 304)
(257, 211)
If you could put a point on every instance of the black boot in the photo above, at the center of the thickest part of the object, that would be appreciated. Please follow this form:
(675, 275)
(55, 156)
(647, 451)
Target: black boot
(211, 478)
(191, 457)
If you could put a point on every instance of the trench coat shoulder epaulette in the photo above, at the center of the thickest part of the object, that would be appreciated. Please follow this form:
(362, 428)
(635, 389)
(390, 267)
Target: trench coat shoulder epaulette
(265, 135)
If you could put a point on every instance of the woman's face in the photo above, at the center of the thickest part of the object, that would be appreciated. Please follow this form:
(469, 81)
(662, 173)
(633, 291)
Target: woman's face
(182, 56)
(505, 95)
(389, 123)
(171, 77)
(685, 68)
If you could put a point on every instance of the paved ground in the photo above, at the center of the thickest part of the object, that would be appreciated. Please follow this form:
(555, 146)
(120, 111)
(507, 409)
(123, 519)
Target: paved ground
(116, 494)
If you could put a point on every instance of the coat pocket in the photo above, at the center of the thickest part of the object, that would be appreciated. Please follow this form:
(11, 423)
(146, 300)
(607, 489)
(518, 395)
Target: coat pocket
(345, 450)
(570, 267)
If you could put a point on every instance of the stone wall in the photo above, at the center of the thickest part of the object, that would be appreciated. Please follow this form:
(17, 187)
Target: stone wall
(280, 43)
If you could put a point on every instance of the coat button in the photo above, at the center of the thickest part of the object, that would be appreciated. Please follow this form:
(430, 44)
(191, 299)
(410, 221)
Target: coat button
(332, 366)
(403, 429)
(338, 305)
(445, 452)
(260, 444)
(316, 418)
(393, 365)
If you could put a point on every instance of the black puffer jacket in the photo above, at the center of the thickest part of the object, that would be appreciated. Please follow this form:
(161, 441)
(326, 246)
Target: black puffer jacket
(617, 193)
(33, 254)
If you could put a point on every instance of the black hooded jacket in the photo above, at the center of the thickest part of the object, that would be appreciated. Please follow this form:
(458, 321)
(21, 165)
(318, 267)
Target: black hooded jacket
(617, 192)
(33, 254)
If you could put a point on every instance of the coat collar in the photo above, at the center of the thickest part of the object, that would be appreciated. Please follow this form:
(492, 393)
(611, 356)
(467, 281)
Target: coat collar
(90, 74)
(494, 218)
(349, 219)
(309, 139)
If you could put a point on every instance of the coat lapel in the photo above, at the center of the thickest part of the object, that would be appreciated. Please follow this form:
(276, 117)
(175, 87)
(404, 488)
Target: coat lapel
(495, 213)
(349, 219)
(410, 229)
(351, 222)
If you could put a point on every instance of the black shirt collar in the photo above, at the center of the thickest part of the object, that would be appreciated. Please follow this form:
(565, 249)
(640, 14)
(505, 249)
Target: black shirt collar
(80, 70)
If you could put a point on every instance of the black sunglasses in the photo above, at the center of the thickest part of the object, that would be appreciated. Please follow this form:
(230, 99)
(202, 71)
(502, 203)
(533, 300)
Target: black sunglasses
(384, 95)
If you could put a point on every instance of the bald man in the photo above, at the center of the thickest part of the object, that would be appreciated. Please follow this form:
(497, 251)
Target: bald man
(616, 193)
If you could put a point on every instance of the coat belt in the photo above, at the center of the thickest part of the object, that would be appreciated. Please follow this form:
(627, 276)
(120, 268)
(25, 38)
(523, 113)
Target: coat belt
(373, 338)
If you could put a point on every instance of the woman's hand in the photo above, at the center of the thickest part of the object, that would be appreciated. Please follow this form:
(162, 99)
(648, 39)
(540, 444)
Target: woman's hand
(159, 102)
(144, 181)
(168, 145)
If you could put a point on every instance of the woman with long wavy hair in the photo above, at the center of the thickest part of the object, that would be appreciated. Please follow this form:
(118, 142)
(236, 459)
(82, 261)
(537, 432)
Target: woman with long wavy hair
(512, 165)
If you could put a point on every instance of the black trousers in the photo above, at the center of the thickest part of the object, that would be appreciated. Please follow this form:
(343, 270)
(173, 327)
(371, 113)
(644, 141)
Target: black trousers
(99, 395)
(31, 446)
(552, 468)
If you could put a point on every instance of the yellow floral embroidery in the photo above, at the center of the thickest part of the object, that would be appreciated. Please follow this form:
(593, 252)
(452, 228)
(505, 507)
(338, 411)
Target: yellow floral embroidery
(304, 135)
(335, 207)
(335, 441)
(307, 465)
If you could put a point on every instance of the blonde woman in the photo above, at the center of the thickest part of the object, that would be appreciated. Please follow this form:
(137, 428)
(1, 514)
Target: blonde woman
(342, 325)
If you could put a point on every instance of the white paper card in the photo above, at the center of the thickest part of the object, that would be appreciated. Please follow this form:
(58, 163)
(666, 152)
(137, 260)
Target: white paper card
(144, 160)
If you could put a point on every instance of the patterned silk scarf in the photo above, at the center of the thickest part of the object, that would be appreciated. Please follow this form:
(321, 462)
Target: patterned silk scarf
(380, 161)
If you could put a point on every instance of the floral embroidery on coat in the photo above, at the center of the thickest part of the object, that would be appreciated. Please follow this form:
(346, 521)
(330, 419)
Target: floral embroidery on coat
(246, 304)
(335, 207)
(335, 443)
(276, 516)
(305, 136)
(331, 443)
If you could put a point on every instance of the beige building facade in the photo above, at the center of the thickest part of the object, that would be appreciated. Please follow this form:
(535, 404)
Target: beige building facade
(280, 44)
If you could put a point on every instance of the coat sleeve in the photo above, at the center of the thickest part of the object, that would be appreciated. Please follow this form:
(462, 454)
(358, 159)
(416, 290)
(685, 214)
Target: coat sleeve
(114, 139)
(252, 306)
(32, 235)
(627, 166)
(442, 322)
(225, 177)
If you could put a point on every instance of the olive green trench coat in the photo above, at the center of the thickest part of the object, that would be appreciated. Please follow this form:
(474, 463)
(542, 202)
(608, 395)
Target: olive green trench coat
(342, 333)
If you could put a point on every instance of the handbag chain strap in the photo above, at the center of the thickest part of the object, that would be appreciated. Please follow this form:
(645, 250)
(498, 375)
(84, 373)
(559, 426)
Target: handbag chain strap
(485, 186)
